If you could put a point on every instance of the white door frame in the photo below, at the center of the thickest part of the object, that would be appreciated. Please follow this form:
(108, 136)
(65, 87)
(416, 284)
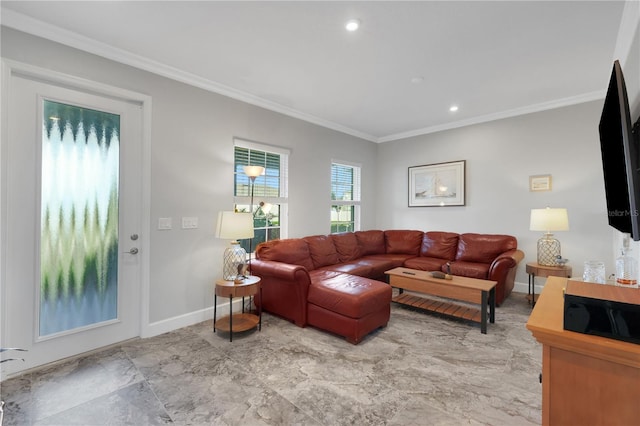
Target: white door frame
(9, 68)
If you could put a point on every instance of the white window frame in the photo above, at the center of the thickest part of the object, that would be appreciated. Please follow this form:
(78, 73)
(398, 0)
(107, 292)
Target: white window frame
(283, 199)
(357, 191)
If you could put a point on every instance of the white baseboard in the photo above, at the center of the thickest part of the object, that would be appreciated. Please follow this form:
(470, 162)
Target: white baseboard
(524, 288)
(191, 318)
(170, 324)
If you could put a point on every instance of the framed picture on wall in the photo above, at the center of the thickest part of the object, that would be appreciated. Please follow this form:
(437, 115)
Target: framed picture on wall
(540, 183)
(437, 185)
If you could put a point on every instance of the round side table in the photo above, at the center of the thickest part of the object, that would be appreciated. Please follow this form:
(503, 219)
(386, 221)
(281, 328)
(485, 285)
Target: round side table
(244, 321)
(535, 269)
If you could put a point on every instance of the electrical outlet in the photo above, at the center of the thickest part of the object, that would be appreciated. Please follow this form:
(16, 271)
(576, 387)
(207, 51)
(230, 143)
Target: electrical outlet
(189, 222)
(164, 223)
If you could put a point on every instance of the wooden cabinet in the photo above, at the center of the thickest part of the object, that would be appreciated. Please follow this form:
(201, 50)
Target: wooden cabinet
(586, 380)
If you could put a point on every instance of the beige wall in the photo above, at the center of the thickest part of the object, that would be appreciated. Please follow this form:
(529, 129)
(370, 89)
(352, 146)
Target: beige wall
(630, 59)
(192, 168)
(500, 156)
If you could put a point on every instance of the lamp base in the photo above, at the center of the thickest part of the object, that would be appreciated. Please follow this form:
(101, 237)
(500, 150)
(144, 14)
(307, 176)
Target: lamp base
(234, 261)
(548, 250)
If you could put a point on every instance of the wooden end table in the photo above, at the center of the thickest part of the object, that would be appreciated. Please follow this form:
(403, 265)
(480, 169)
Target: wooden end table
(535, 269)
(244, 321)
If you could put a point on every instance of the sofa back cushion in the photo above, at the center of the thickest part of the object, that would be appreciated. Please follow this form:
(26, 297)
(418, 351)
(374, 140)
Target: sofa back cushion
(294, 251)
(322, 250)
(484, 248)
(347, 246)
(403, 242)
(371, 242)
(442, 245)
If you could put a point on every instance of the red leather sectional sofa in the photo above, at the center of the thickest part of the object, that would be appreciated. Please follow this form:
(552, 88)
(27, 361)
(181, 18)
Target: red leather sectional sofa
(335, 282)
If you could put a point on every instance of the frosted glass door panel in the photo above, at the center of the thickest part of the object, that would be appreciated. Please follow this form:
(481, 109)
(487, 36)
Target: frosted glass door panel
(79, 217)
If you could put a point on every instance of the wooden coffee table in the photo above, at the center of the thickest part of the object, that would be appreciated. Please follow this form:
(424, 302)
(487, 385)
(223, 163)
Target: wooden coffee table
(471, 290)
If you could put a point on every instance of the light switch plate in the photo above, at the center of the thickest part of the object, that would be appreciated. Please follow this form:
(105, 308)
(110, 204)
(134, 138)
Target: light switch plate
(189, 222)
(164, 223)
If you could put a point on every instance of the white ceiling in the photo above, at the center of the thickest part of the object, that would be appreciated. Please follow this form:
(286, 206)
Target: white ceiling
(492, 59)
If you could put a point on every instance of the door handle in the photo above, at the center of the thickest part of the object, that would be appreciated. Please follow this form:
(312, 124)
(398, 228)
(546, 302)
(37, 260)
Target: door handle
(132, 251)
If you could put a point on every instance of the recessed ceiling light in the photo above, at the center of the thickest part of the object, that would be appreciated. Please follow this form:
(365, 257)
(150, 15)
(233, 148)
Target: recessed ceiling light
(352, 24)
(453, 108)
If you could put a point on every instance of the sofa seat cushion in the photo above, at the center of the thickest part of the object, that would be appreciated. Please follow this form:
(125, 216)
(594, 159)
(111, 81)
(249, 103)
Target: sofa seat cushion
(469, 269)
(392, 260)
(320, 274)
(368, 266)
(424, 263)
(353, 268)
(380, 263)
(349, 295)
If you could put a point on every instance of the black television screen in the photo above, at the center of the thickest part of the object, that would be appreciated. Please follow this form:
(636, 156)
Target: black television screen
(620, 158)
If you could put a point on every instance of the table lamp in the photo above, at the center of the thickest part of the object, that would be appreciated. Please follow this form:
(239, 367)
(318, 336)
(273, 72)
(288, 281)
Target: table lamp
(234, 226)
(548, 220)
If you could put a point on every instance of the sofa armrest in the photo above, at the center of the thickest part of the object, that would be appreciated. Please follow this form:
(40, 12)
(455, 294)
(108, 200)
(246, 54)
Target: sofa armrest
(503, 270)
(284, 289)
(272, 268)
(508, 260)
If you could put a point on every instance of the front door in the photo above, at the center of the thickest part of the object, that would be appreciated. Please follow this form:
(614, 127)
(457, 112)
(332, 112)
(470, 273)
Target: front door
(72, 221)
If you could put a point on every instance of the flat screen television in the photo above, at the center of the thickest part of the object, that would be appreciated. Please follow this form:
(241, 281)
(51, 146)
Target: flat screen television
(620, 161)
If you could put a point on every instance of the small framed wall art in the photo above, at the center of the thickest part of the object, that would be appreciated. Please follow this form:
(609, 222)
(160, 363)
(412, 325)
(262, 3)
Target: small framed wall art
(540, 183)
(436, 185)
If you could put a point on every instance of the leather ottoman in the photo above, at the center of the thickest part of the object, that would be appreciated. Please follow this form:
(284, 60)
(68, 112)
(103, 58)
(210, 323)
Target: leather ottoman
(348, 305)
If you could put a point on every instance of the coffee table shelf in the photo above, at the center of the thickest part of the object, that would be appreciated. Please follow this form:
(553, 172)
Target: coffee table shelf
(439, 306)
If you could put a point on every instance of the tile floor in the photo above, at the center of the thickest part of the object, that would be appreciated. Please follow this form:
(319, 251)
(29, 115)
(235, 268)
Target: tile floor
(419, 370)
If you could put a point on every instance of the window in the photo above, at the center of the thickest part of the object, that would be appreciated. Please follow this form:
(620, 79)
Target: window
(345, 197)
(269, 190)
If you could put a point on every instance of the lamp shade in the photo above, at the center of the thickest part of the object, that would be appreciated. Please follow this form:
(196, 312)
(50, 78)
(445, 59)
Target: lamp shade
(234, 226)
(549, 220)
(253, 171)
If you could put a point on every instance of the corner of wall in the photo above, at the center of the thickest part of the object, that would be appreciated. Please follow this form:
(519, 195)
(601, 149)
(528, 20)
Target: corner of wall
(627, 50)
(628, 31)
